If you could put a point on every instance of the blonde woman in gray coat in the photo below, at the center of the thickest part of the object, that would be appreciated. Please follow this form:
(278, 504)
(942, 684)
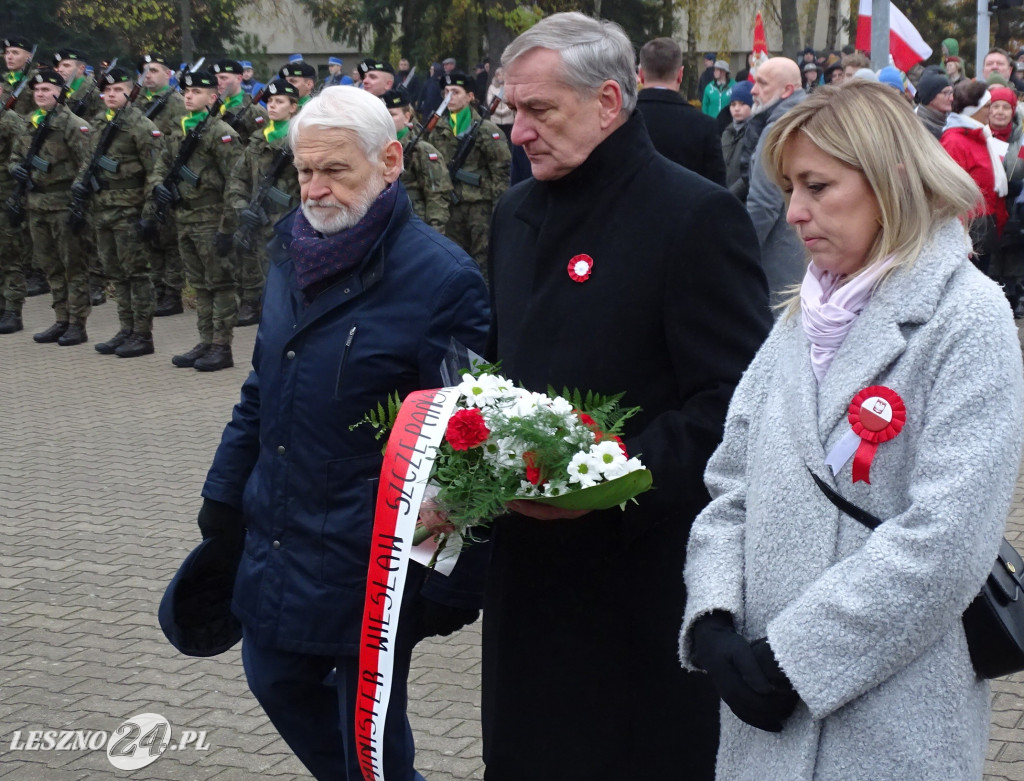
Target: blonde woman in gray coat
(839, 652)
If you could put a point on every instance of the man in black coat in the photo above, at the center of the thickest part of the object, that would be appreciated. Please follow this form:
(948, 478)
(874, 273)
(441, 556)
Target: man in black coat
(581, 679)
(679, 131)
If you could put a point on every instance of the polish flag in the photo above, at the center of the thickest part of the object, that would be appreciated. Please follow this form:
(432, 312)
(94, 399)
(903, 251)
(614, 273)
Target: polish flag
(760, 47)
(906, 45)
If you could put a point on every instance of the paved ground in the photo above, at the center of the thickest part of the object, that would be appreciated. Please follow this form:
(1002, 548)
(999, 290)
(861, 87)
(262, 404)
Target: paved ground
(101, 463)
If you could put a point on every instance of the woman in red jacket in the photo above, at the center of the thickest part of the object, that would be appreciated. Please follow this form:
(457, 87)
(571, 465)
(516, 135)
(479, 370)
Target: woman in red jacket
(969, 142)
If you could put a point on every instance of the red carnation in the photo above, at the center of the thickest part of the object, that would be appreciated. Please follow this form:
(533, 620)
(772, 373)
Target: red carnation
(586, 420)
(532, 470)
(466, 429)
(622, 446)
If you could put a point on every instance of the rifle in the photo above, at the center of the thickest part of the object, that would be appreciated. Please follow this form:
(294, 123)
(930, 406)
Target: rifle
(22, 82)
(431, 124)
(166, 193)
(466, 146)
(254, 216)
(88, 184)
(158, 105)
(235, 120)
(79, 104)
(15, 204)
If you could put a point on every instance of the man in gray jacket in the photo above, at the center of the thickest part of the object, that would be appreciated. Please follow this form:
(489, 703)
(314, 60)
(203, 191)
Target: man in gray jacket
(776, 90)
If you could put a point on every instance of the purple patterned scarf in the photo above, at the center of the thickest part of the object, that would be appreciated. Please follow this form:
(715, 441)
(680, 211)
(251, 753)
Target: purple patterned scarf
(318, 258)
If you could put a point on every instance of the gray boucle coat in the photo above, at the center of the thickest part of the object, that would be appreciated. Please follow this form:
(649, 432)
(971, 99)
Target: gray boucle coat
(867, 624)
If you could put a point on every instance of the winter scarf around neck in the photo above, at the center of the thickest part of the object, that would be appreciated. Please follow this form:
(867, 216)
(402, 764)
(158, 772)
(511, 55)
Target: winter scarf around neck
(960, 121)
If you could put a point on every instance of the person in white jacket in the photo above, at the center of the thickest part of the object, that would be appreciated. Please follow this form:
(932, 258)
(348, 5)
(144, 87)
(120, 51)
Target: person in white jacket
(839, 652)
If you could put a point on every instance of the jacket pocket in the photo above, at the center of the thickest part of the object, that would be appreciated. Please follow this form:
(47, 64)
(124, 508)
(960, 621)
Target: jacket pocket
(350, 494)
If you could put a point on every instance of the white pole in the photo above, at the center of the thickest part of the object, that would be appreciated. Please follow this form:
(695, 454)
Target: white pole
(880, 34)
(983, 38)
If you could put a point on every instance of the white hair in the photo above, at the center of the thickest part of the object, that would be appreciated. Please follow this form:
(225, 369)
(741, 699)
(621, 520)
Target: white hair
(347, 108)
(592, 51)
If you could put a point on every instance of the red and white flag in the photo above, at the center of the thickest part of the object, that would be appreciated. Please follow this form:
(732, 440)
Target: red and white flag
(760, 47)
(906, 45)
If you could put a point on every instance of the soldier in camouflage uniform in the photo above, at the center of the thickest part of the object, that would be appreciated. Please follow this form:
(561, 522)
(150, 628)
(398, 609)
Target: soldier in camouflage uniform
(12, 259)
(163, 104)
(51, 172)
(425, 177)
(82, 97)
(483, 177)
(204, 248)
(266, 148)
(17, 59)
(131, 167)
(249, 119)
(302, 76)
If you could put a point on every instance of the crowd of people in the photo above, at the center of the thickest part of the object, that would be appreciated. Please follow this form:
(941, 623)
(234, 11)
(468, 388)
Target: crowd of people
(809, 306)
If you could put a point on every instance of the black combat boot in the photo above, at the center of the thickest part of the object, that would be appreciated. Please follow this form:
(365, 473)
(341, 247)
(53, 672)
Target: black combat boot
(10, 322)
(115, 341)
(217, 357)
(75, 334)
(188, 360)
(169, 304)
(53, 333)
(137, 344)
(249, 313)
(36, 284)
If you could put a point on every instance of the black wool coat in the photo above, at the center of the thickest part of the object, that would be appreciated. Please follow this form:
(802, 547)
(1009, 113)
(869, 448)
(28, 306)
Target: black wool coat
(581, 679)
(682, 133)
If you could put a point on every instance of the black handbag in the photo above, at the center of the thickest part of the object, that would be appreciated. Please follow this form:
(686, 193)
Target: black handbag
(994, 621)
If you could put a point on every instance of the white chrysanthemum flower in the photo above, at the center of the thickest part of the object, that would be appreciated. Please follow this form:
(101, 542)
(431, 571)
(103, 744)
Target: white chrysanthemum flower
(483, 390)
(507, 452)
(526, 488)
(608, 454)
(560, 406)
(622, 468)
(584, 469)
(555, 488)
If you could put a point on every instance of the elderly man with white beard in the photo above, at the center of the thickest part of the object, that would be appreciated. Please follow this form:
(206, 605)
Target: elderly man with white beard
(362, 300)
(777, 89)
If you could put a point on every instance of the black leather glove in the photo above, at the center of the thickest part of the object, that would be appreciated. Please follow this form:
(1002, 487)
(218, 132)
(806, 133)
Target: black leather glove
(21, 173)
(436, 620)
(217, 519)
(80, 189)
(147, 230)
(737, 674)
(250, 218)
(222, 244)
(163, 195)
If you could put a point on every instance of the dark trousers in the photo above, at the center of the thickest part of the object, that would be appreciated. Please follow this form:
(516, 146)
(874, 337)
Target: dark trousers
(314, 711)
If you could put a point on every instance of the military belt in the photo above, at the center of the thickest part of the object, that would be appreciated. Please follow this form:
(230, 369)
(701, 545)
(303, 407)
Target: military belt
(125, 184)
(198, 203)
(46, 189)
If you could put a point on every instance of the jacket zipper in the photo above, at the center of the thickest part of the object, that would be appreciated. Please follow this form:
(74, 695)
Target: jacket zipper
(344, 356)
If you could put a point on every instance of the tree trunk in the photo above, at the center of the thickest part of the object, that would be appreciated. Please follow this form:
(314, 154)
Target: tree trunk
(690, 73)
(790, 28)
(833, 25)
(187, 45)
(497, 35)
(811, 22)
(597, 9)
(668, 8)
(472, 38)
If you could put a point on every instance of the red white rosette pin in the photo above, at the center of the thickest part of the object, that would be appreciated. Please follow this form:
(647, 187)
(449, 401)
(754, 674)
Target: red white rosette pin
(580, 267)
(876, 415)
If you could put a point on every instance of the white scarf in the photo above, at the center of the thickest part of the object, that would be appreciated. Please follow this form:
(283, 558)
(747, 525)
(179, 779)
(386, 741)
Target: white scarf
(829, 309)
(960, 120)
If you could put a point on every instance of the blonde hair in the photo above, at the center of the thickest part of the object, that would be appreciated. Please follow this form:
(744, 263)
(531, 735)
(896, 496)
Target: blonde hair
(870, 128)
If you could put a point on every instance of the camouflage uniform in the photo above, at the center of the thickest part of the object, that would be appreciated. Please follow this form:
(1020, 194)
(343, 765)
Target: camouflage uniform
(165, 260)
(12, 243)
(198, 218)
(85, 99)
(426, 180)
(247, 176)
(54, 249)
(248, 119)
(8, 83)
(136, 154)
(470, 221)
